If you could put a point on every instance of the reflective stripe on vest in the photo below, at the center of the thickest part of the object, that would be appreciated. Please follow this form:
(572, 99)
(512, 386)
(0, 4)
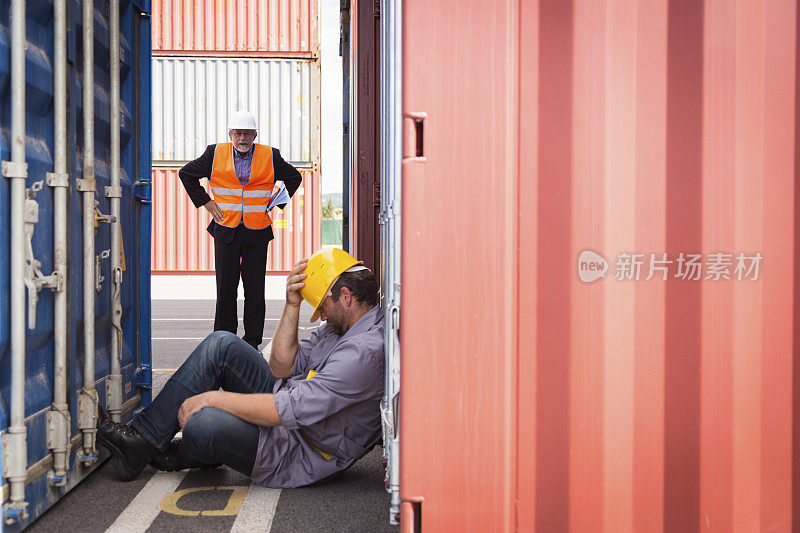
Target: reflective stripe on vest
(239, 204)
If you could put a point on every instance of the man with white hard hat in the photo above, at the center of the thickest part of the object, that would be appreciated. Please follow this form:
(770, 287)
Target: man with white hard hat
(308, 413)
(247, 180)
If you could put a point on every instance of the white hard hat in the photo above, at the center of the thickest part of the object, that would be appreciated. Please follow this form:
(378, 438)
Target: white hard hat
(242, 120)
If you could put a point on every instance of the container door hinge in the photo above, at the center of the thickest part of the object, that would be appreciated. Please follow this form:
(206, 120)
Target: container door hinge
(58, 424)
(392, 210)
(142, 191)
(143, 378)
(376, 8)
(34, 279)
(13, 447)
(88, 401)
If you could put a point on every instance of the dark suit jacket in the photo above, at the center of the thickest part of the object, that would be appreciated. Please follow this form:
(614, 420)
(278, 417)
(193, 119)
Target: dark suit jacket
(193, 171)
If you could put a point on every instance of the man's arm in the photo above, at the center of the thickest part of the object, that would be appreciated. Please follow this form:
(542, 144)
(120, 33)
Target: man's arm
(284, 341)
(258, 409)
(191, 174)
(285, 172)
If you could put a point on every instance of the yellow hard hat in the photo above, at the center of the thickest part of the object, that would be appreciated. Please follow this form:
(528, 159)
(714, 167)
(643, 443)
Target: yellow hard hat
(322, 270)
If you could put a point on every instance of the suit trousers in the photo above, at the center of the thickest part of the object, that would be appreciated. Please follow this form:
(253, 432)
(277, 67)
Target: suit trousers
(235, 260)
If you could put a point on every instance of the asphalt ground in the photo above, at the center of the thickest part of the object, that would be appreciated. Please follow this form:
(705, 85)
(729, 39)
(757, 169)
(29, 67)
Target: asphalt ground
(220, 499)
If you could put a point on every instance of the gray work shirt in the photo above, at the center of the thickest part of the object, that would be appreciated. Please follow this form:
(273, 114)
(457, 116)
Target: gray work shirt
(331, 419)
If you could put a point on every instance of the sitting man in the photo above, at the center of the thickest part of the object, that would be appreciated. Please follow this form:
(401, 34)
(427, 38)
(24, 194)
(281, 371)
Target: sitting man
(309, 413)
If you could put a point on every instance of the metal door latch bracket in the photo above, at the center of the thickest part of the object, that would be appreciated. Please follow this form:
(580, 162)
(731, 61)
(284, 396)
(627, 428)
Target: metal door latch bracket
(99, 278)
(11, 169)
(100, 218)
(34, 279)
(57, 180)
(85, 185)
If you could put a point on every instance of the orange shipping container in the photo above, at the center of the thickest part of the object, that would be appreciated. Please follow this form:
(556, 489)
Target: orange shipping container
(181, 244)
(535, 400)
(277, 28)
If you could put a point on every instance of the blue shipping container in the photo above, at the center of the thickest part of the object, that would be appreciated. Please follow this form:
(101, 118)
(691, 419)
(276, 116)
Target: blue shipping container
(135, 225)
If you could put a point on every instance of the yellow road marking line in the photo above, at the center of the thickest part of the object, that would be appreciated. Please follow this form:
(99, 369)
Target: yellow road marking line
(235, 500)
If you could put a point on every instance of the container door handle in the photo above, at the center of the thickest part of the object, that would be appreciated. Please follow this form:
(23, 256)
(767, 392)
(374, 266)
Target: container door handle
(413, 135)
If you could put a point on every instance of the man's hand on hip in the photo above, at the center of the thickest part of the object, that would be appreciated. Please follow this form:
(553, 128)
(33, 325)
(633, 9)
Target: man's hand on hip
(212, 207)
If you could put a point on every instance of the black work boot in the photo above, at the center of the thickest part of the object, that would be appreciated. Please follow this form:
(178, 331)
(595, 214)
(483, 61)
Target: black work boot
(130, 452)
(169, 460)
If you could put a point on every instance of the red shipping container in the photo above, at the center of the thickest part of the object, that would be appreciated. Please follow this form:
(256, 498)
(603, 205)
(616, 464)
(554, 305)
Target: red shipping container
(533, 400)
(277, 28)
(181, 244)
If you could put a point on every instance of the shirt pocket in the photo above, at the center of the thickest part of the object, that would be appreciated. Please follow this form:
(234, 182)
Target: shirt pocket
(350, 449)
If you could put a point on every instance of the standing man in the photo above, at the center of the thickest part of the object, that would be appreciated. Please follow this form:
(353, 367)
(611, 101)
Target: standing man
(246, 179)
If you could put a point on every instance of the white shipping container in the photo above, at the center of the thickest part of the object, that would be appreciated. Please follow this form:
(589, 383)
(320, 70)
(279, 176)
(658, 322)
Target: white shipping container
(193, 96)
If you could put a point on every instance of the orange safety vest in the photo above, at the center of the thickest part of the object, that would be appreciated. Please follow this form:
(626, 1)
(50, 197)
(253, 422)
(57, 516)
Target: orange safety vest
(250, 201)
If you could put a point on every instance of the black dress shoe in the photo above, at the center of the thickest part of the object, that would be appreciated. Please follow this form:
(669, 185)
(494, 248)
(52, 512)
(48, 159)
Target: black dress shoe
(130, 452)
(169, 461)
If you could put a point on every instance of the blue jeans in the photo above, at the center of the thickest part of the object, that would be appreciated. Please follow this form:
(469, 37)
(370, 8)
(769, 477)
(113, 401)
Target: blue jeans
(210, 436)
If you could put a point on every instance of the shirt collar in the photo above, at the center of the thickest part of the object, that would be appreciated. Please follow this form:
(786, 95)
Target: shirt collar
(370, 318)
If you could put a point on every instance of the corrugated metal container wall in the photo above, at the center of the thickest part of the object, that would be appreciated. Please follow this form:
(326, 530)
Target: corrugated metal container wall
(616, 126)
(192, 98)
(42, 343)
(188, 247)
(217, 57)
(236, 27)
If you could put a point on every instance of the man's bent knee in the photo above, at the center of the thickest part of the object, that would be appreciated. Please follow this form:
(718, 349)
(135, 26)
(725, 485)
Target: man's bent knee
(200, 427)
(215, 343)
(218, 336)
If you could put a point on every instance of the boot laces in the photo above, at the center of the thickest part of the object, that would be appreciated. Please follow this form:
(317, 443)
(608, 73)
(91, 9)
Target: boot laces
(124, 429)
